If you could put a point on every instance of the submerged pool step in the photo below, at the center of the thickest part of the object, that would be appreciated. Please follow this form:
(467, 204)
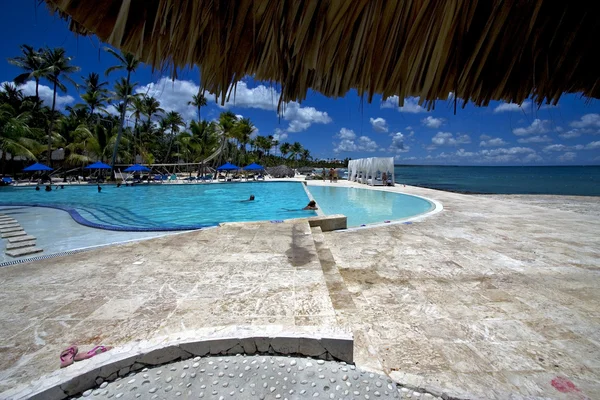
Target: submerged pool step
(24, 251)
(8, 224)
(19, 245)
(11, 229)
(13, 234)
(18, 239)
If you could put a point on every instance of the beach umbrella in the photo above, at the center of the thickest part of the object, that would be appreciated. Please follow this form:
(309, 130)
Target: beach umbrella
(38, 167)
(98, 165)
(228, 167)
(137, 168)
(254, 167)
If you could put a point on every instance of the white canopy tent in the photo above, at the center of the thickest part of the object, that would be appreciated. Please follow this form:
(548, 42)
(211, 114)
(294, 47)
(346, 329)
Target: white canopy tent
(371, 170)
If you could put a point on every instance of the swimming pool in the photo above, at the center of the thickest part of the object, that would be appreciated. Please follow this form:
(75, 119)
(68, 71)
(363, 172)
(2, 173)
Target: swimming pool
(167, 207)
(182, 207)
(366, 206)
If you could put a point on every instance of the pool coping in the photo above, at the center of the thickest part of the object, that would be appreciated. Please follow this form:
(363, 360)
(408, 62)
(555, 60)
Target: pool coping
(438, 207)
(319, 342)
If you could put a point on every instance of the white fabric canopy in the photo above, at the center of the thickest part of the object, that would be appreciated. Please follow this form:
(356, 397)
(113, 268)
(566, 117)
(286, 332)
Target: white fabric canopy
(368, 170)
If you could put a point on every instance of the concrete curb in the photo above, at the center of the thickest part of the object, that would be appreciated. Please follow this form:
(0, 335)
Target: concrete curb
(318, 342)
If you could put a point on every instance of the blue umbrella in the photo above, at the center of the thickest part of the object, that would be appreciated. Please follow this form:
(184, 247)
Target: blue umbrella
(98, 165)
(254, 167)
(38, 167)
(228, 167)
(137, 168)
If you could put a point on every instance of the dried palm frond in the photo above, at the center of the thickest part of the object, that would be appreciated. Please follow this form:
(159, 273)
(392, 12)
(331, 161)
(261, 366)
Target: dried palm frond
(479, 50)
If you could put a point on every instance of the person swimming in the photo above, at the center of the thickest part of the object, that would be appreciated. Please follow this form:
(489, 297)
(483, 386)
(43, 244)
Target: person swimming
(312, 205)
(37, 188)
(48, 188)
(250, 199)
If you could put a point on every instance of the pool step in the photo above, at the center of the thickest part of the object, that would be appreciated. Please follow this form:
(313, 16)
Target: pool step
(19, 245)
(13, 234)
(7, 226)
(18, 239)
(338, 292)
(11, 229)
(8, 223)
(24, 251)
(7, 220)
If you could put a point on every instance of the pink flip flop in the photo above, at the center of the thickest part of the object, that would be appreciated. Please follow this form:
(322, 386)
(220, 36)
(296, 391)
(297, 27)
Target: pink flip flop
(93, 352)
(67, 356)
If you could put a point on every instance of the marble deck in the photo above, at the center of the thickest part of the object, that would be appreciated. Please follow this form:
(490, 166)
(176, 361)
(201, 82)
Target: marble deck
(494, 297)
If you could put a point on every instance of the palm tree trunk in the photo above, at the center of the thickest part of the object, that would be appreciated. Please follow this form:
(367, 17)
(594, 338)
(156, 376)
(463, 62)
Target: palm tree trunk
(120, 131)
(37, 90)
(199, 117)
(51, 126)
(170, 145)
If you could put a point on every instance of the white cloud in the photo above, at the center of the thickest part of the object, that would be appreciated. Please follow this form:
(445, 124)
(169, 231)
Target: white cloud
(348, 142)
(535, 139)
(463, 153)
(488, 141)
(573, 133)
(173, 95)
(556, 147)
(537, 127)
(411, 104)
(568, 156)
(532, 157)
(432, 122)
(448, 139)
(46, 94)
(379, 124)
(587, 121)
(593, 145)
(301, 118)
(398, 145)
(280, 135)
(504, 107)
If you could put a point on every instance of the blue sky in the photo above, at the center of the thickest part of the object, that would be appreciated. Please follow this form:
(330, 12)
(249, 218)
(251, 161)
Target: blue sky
(500, 134)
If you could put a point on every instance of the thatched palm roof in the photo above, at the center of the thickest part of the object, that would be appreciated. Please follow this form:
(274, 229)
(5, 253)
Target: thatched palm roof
(480, 50)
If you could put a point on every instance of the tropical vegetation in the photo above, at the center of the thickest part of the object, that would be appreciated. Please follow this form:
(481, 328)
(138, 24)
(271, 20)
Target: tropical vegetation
(115, 124)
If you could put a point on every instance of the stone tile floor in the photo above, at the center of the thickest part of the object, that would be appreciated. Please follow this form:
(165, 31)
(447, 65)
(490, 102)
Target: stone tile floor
(492, 298)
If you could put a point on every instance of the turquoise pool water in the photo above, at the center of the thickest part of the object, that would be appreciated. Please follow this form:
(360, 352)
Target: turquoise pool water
(180, 207)
(168, 207)
(365, 206)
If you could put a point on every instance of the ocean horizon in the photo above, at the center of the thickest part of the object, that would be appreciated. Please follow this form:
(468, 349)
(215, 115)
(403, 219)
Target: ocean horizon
(549, 180)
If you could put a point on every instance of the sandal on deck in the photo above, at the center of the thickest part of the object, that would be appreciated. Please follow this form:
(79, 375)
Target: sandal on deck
(68, 356)
(93, 352)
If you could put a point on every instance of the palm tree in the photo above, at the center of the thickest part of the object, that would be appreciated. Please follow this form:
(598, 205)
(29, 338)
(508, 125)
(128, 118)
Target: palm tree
(198, 100)
(32, 62)
(295, 151)
(152, 107)
(95, 93)
(305, 155)
(173, 121)
(227, 121)
(129, 63)
(14, 130)
(57, 66)
(138, 109)
(242, 131)
(284, 148)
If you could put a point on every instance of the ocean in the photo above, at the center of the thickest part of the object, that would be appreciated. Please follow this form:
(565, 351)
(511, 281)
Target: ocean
(578, 181)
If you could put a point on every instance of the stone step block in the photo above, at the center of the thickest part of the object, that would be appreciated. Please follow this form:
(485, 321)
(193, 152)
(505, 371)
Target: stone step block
(13, 234)
(18, 245)
(11, 229)
(8, 222)
(18, 239)
(24, 251)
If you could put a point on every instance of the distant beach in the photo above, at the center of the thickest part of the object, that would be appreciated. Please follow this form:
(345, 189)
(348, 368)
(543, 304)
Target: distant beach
(572, 181)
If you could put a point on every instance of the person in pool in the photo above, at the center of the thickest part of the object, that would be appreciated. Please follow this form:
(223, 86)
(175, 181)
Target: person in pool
(312, 205)
(37, 188)
(99, 188)
(48, 188)
(250, 199)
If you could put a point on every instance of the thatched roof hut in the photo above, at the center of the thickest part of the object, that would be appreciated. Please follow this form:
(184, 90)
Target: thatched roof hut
(281, 171)
(480, 50)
